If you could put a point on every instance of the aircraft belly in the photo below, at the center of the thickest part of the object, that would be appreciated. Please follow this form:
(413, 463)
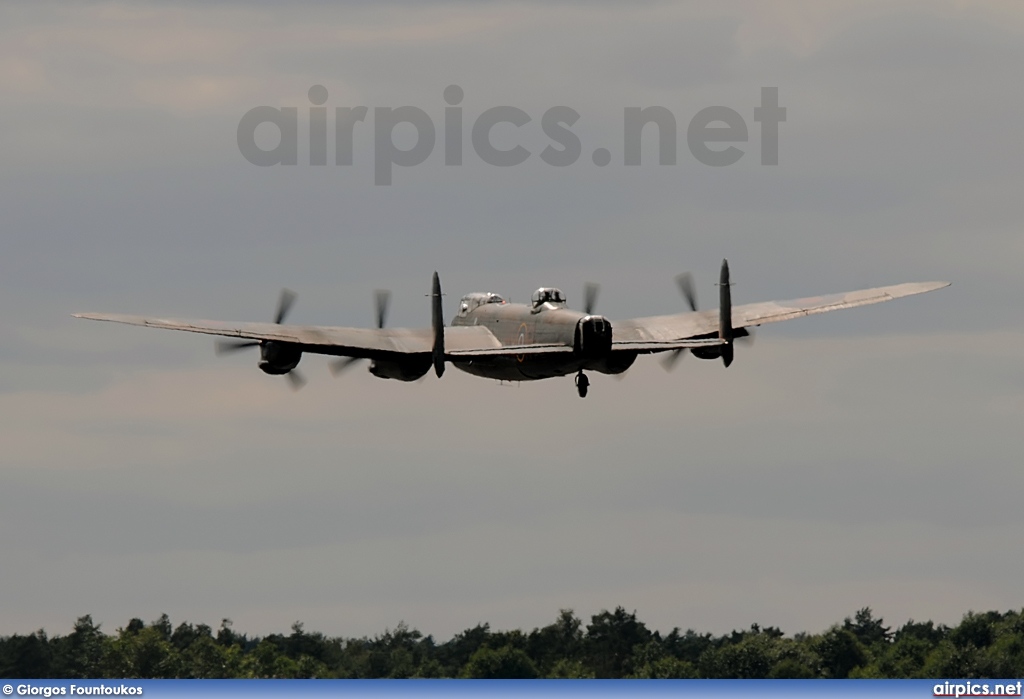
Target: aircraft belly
(531, 368)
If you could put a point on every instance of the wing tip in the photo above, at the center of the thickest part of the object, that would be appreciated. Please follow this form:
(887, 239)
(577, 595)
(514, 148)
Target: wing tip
(914, 288)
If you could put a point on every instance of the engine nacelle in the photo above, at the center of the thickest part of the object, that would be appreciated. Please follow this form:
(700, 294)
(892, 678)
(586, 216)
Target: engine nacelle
(615, 363)
(593, 337)
(715, 351)
(403, 370)
(706, 352)
(278, 357)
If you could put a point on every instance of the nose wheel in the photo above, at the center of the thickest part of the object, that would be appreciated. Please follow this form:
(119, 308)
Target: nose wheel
(582, 384)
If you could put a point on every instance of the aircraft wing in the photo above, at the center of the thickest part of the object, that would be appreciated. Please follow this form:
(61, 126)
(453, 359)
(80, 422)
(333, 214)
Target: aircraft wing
(553, 348)
(647, 347)
(505, 350)
(338, 341)
(656, 329)
(643, 335)
(461, 341)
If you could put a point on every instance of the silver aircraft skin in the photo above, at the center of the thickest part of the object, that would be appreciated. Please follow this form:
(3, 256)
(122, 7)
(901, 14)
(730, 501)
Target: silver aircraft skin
(495, 339)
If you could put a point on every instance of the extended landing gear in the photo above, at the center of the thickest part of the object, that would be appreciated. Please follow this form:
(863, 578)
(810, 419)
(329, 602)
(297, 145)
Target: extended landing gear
(582, 384)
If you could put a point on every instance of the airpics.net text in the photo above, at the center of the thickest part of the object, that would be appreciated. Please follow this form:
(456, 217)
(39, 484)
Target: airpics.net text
(711, 125)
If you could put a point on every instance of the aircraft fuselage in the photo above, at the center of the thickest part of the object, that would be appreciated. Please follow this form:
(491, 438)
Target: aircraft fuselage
(546, 323)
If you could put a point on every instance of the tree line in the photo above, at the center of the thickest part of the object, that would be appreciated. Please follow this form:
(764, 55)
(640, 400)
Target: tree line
(613, 645)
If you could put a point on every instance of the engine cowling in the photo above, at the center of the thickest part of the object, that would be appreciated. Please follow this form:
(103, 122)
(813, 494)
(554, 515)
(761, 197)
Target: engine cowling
(716, 351)
(278, 357)
(615, 363)
(706, 352)
(593, 336)
(401, 370)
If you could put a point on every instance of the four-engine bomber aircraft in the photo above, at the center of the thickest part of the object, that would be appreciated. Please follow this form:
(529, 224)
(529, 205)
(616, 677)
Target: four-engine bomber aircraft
(517, 342)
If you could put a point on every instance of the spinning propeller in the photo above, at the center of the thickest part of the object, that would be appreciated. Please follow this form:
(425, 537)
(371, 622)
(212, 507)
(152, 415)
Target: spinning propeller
(381, 299)
(284, 305)
(590, 290)
(726, 332)
(685, 283)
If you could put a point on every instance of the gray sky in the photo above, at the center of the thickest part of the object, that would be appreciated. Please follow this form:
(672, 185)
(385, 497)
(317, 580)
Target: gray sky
(865, 458)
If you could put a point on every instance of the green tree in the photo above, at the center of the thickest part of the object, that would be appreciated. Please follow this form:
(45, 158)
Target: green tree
(204, 658)
(26, 656)
(456, 653)
(651, 661)
(266, 661)
(145, 653)
(557, 642)
(430, 668)
(868, 630)
(950, 660)
(565, 669)
(1003, 658)
(80, 654)
(615, 644)
(505, 663)
(688, 646)
(840, 653)
(611, 637)
(791, 668)
(977, 630)
(752, 657)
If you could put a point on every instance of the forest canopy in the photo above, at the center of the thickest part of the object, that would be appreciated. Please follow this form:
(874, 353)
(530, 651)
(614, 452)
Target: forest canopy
(613, 645)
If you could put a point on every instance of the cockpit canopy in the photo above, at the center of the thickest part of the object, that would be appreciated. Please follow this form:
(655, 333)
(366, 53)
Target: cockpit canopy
(547, 294)
(471, 301)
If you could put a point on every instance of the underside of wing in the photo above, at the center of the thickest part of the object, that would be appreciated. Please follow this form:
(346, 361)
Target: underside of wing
(509, 351)
(777, 311)
(702, 323)
(649, 347)
(317, 339)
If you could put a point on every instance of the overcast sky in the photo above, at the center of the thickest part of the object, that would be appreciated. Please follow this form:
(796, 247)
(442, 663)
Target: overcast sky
(866, 458)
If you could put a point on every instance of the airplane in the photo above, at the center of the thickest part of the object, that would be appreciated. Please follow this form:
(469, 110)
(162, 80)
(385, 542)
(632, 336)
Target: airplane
(495, 339)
